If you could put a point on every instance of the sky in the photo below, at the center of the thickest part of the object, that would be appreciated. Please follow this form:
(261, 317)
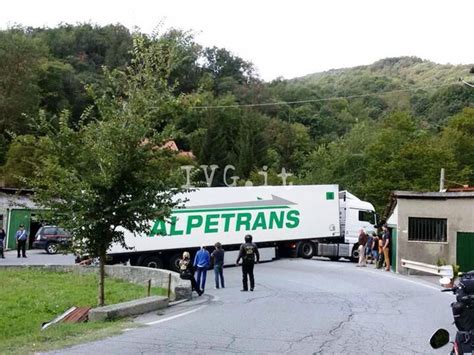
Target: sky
(283, 38)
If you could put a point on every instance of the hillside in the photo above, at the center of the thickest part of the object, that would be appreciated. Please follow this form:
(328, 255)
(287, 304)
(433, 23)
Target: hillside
(388, 73)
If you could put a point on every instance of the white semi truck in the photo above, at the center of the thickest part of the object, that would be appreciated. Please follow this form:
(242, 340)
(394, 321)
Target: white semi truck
(297, 220)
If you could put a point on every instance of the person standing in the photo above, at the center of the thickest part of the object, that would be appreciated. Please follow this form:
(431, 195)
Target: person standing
(186, 272)
(368, 248)
(218, 258)
(381, 256)
(386, 246)
(375, 248)
(362, 242)
(201, 263)
(249, 255)
(2, 241)
(21, 237)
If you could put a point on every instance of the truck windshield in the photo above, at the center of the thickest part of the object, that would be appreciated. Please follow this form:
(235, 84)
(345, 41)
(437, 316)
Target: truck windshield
(367, 216)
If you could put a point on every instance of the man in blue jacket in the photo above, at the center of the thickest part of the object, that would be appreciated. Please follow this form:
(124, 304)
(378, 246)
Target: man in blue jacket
(201, 263)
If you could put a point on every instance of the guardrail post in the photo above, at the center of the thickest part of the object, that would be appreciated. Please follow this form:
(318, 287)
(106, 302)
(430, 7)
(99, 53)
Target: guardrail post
(169, 285)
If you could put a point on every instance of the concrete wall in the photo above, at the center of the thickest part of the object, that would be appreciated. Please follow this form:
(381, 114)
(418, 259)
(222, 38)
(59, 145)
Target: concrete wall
(180, 289)
(460, 215)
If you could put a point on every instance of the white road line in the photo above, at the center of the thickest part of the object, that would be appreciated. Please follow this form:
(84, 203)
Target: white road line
(175, 316)
(391, 274)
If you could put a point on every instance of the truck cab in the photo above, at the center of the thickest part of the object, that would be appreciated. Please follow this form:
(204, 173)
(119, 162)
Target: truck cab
(355, 215)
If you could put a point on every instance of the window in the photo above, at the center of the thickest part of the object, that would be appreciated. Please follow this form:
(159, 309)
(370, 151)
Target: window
(49, 230)
(427, 229)
(367, 216)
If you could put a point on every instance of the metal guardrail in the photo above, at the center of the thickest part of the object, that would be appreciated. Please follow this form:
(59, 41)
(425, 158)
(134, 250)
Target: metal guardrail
(443, 271)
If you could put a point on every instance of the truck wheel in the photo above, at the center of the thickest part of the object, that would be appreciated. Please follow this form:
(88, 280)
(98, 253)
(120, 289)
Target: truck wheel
(174, 262)
(355, 254)
(51, 248)
(153, 261)
(306, 249)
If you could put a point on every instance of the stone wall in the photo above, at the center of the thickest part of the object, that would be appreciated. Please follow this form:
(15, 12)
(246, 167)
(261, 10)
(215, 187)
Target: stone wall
(180, 289)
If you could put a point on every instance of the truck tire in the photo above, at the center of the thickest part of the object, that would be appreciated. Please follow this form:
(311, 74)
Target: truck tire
(153, 261)
(355, 253)
(306, 249)
(174, 262)
(51, 248)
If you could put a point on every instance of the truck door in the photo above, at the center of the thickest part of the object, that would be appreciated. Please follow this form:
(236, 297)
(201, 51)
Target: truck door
(357, 219)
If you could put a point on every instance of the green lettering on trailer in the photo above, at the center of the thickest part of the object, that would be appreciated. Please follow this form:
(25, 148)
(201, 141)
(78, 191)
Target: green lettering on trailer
(260, 222)
(194, 221)
(223, 222)
(276, 220)
(243, 219)
(159, 228)
(174, 230)
(227, 217)
(211, 221)
(293, 220)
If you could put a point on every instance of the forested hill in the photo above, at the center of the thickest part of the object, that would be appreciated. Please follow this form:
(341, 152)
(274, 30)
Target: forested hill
(386, 126)
(389, 73)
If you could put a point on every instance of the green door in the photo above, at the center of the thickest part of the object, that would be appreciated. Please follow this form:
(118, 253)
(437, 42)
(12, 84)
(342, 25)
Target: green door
(465, 251)
(393, 249)
(17, 217)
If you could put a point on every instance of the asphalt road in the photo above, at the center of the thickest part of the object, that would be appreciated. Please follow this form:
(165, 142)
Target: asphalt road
(37, 257)
(299, 306)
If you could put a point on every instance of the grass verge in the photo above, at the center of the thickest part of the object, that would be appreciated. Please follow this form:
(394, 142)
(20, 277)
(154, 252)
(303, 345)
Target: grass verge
(30, 297)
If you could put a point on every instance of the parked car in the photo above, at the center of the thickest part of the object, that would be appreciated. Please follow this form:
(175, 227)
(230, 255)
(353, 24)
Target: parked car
(51, 239)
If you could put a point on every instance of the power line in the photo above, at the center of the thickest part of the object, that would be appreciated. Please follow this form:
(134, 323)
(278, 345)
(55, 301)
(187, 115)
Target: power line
(277, 103)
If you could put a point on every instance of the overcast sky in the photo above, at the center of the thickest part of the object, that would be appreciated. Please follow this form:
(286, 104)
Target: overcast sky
(283, 38)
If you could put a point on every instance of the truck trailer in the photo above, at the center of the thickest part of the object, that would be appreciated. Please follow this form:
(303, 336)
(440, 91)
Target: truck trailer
(297, 220)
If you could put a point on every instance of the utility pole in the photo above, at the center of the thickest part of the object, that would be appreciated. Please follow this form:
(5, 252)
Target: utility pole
(441, 181)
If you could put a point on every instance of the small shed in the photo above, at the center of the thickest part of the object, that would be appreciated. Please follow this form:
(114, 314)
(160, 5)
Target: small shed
(17, 207)
(433, 227)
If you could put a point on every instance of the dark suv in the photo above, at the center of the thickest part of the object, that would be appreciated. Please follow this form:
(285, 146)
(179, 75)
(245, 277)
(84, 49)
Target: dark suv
(51, 239)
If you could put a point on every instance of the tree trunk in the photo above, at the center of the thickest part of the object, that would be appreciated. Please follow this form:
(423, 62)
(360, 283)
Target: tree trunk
(101, 298)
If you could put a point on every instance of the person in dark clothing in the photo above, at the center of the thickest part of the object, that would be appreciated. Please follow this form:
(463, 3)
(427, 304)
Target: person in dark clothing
(186, 272)
(368, 248)
(218, 258)
(249, 255)
(375, 248)
(21, 238)
(2, 241)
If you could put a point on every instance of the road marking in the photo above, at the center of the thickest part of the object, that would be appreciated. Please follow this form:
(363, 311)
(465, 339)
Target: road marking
(404, 279)
(175, 316)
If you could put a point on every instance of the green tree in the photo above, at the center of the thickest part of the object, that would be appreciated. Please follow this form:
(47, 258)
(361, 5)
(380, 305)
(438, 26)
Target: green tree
(107, 174)
(458, 136)
(21, 57)
(20, 161)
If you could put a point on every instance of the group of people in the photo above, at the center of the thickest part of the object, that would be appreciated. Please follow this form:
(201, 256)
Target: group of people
(375, 248)
(21, 237)
(196, 271)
